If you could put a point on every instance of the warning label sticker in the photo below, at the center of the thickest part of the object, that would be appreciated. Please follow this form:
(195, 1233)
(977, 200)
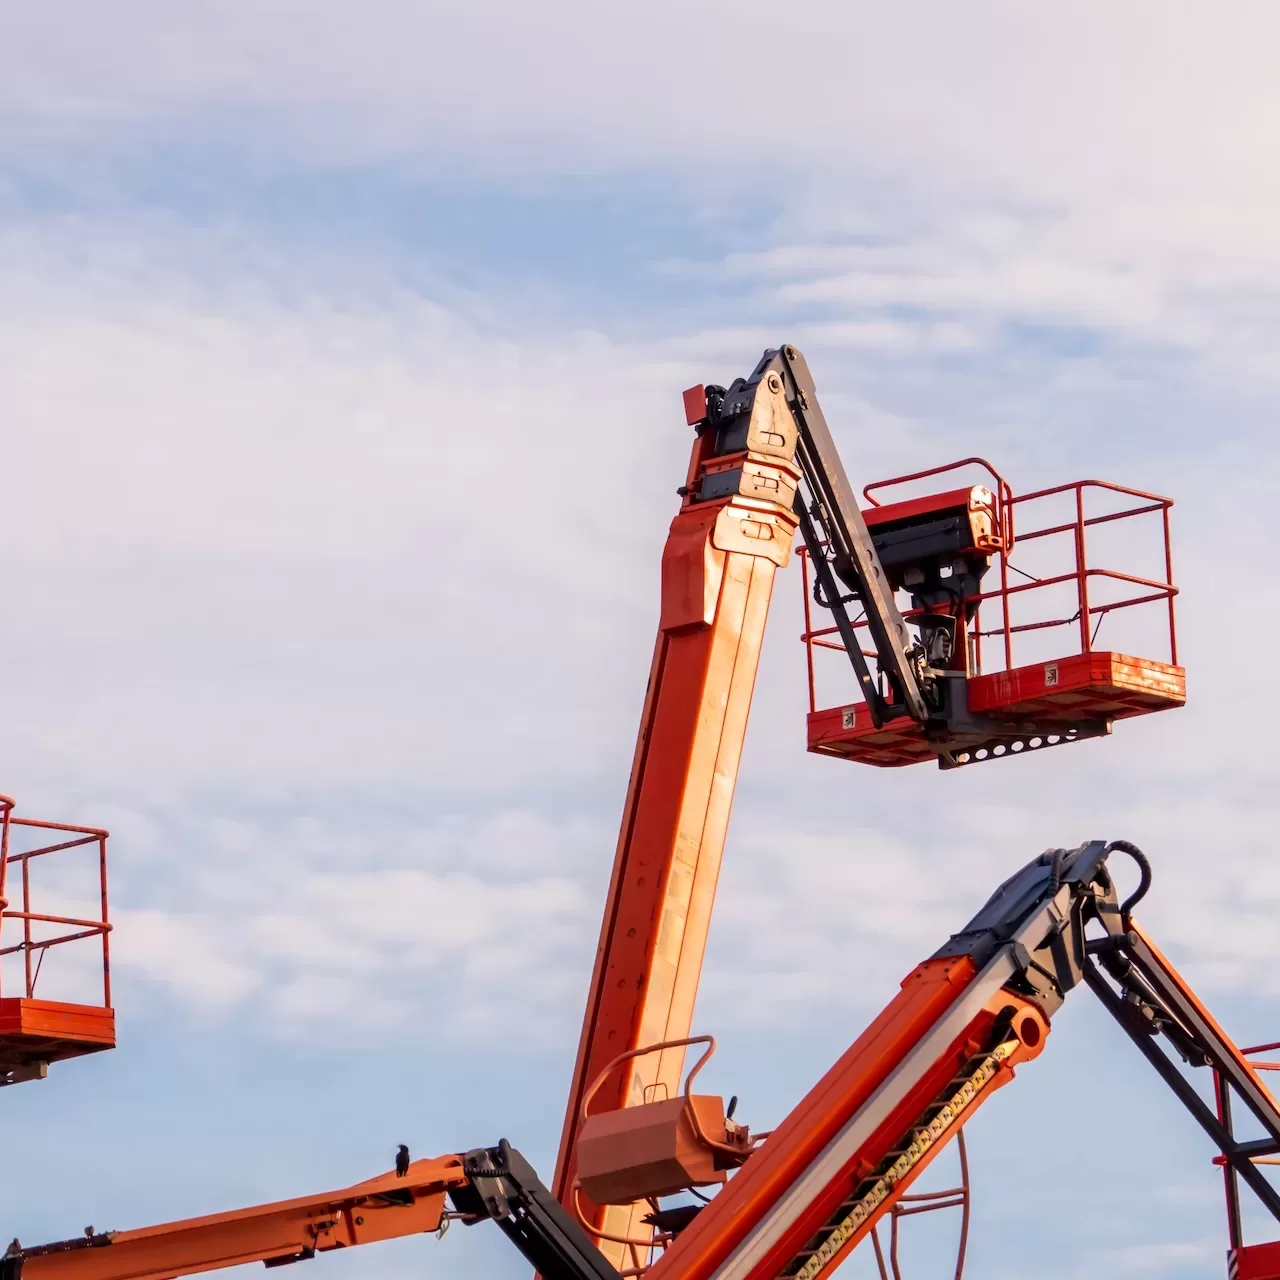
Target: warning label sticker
(1050, 674)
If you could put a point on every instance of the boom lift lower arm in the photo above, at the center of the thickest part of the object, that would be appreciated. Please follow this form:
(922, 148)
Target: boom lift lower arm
(956, 1031)
(489, 1183)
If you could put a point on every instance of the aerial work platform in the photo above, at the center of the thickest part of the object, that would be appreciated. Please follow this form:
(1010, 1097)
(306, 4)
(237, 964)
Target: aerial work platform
(35, 1031)
(1026, 655)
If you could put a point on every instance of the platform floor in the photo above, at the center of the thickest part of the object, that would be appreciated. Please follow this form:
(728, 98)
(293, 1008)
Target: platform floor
(1086, 686)
(34, 1031)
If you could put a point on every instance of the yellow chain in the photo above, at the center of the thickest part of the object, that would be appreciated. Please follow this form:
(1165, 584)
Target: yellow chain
(921, 1140)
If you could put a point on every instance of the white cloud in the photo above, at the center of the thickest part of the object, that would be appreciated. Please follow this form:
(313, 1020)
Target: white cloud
(191, 953)
(447, 926)
(1162, 1255)
(1044, 100)
(1199, 280)
(241, 515)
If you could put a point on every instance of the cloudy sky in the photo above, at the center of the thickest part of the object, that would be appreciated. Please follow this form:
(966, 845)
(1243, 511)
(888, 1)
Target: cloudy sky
(340, 358)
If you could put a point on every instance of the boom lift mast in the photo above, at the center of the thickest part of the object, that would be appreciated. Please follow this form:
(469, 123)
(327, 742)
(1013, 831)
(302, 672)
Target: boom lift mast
(763, 462)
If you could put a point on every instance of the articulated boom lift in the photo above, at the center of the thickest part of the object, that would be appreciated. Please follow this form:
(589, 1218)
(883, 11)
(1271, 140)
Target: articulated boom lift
(764, 465)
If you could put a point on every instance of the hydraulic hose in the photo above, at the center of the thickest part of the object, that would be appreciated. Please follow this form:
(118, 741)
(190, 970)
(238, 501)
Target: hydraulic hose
(1144, 880)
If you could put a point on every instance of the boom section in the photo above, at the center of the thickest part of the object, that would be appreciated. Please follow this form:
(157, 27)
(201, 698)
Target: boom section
(955, 1033)
(494, 1183)
(763, 461)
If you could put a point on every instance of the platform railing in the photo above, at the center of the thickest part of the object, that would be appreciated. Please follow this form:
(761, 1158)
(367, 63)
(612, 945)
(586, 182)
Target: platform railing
(1090, 610)
(33, 949)
(1222, 1105)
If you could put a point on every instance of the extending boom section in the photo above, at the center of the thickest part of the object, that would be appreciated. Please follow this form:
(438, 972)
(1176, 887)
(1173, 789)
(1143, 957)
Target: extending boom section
(763, 460)
(288, 1230)
(956, 1031)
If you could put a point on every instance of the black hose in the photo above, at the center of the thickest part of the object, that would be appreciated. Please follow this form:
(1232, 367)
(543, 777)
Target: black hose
(1144, 880)
(1056, 867)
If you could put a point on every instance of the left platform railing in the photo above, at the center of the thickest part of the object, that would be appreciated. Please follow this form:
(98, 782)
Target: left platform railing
(62, 1010)
(22, 842)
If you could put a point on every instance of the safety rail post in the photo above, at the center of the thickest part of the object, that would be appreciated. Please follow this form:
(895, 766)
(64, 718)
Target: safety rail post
(1222, 1103)
(26, 923)
(1082, 589)
(1168, 577)
(1004, 606)
(6, 808)
(803, 553)
(106, 932)
(977, 640)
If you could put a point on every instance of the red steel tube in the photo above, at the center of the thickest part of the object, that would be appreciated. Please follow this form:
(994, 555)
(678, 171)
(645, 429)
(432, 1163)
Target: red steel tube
(6, 808)
(1094, 484)
(808, 629)
(106, 932)
(26, 924)
(1168, 573)
(59, 826)
(46, 943)
(51, 848)
(48, 919)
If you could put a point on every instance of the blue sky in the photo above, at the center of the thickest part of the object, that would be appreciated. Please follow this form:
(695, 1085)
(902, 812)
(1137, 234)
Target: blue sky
(340, 361)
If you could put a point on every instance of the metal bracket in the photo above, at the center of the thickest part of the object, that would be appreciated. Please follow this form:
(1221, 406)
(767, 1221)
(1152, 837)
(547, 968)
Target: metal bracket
(850, 551)
(504, 1187)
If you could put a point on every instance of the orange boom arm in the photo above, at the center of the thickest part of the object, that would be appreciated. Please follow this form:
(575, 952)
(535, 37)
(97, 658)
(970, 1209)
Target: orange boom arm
(382, 1208)
(717, 578)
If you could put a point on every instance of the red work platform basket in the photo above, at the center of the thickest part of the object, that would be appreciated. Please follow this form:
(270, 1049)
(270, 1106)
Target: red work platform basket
(35, 1032)
(1031, 651)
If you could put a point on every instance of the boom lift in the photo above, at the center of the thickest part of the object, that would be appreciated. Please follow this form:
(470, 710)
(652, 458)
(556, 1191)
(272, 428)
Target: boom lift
(763, 463)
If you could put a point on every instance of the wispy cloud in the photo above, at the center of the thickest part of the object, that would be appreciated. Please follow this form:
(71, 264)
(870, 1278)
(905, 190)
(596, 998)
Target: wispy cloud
(474, 927)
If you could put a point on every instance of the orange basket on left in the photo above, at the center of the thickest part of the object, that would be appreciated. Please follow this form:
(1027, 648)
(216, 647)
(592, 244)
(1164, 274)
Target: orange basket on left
(44, 864)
